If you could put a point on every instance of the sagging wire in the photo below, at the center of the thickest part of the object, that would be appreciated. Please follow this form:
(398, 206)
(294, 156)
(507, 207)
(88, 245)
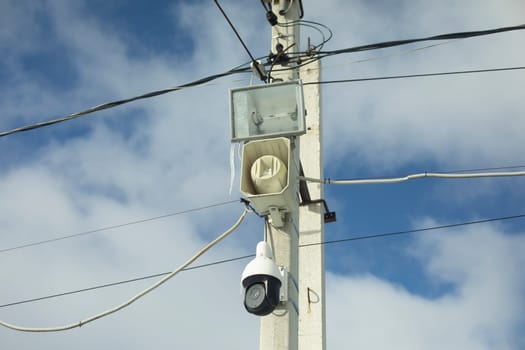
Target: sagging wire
(298, 59)
(116, 103)
(316, 26)
(112, 227)
(338, 241)
(387, 44)
(139, 295)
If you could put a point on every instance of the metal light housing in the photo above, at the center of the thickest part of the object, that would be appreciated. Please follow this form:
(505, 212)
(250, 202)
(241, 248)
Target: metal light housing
(265, 111)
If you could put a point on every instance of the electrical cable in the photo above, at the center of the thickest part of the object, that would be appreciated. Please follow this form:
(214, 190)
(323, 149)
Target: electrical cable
(107, 228)
(380, 57)
(356, 238)
(318, 46)
(486, 169)
(418, 230)
(412, 177)
(139, 295)
(356, 80)
(262, 76)
(113, 104)
(113, 284)
(457, 35)
(313, 25)
(236, 70)
(387, 44)
(414, 75)
(263, 5)
(400, 53)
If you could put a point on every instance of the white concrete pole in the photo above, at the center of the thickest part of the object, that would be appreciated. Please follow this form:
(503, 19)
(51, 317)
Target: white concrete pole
(279, 330)
(312, 328)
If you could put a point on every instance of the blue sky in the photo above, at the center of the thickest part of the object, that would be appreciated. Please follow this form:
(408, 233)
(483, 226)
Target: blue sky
(460, 288)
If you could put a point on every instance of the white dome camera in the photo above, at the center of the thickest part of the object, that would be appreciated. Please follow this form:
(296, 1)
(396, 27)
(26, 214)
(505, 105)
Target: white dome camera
(262, 281)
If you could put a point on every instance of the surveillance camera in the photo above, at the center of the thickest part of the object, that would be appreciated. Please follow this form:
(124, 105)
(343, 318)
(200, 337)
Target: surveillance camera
(261, 282)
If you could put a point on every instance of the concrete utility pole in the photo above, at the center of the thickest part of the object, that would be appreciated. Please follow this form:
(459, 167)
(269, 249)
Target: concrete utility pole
(301, 323)
(312, 327)
(279, 330)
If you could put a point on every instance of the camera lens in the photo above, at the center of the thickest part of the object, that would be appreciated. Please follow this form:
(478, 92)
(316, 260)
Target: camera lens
(255, 295)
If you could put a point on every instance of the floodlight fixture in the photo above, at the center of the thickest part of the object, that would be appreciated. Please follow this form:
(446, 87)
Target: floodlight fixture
(267, 111)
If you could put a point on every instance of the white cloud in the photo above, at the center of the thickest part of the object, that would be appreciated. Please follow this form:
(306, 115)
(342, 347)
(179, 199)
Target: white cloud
(450, 120)
(171, 153)
(484, 309)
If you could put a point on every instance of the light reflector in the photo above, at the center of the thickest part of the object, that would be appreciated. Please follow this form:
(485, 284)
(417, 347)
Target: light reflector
(265, 111)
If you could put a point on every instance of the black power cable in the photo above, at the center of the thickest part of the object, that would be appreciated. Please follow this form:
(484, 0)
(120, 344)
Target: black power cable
(262, 76)
(239, 69)
(414, 75)
(449, 36)
(113, 104)
(356, 238)
(386, 44)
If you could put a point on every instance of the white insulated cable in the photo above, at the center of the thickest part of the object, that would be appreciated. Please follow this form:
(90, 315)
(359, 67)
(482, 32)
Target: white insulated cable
(411, 177)
(139, 295)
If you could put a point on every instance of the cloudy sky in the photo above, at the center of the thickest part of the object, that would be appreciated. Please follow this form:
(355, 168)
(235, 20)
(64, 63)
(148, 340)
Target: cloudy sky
(459, 288)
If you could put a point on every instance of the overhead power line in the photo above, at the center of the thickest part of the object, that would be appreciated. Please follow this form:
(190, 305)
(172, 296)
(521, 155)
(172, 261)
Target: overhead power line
(319, 27)
(417, 230)
(412, 177)
(301, 61)
(448, 36)
(113, 284)
(219, 262)
(107, 228)
(262, 76)
(113, 104)
(414, 75)
(164, 216)
(236, 70)
(139, 295)
(242, 69)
